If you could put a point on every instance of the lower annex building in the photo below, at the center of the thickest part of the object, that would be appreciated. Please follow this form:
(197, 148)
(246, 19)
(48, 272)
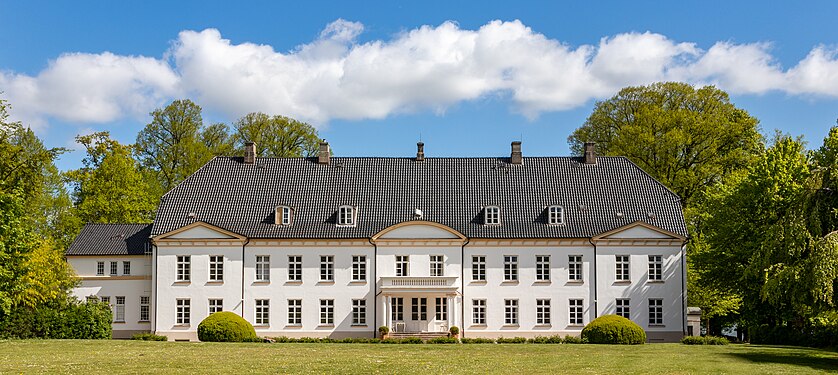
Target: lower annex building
(338, 246)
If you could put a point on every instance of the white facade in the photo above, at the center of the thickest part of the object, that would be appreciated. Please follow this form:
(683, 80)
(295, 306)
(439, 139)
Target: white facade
(540, 299)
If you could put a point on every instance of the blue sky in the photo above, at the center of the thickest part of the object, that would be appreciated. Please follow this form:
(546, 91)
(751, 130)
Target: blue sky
(375, 76)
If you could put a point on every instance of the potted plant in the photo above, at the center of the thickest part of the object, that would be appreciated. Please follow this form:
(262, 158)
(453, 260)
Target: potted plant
(383, 331)
(454, 332)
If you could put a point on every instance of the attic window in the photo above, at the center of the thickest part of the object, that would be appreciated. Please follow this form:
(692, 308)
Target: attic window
(491, 215)
(555, 215)
(284, 215)
(346, 216)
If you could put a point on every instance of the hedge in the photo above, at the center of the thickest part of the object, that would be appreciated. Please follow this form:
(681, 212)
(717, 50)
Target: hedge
(704, 340)
(818, 335)
(146, 336)
(226, 326)
(68, 319)
(613, 329)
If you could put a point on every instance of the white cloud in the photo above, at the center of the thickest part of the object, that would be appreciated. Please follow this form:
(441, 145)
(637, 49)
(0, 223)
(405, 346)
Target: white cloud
(429, 68)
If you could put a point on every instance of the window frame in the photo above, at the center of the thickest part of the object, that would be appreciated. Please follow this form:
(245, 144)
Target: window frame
(402, 265)
(576, 312)
(419, 308)
(622, 307)
(555, 215)
(510, 312)
(574, 268)
(183, 268)
(510, 268)
(437, 265)
(359, 268)
(183, 311)
(543, 312)
(656, 312)
(145, 308)
(491, 215)
(295, 268)
(215, 305)
(216, 268)
(542, 268)
(359, 312)
(655, 267)
(100, 268)
(119, 309)
(622, 267)
(295, 312)
(441, 308)
(478, 268)
(126, 267)
(284, 215)
(397, 308)
(262, 312)
(114, 267)
(327, 312)
(327, 268)
(262, 268)
(478, 311)
(347, 216)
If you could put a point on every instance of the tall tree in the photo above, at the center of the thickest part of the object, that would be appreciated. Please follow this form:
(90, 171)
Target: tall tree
(110, 187)
(170, 144)
(276, 136)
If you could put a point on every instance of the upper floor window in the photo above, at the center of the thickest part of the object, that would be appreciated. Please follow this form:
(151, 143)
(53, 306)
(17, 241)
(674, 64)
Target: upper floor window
(216, 268)
(622, 268)
(655, 268)
(359, 268)
(346, 216)
(437, 265)
(327, 268)
(184, 265)
(555, 215)
(542, 267)
(491, 215)
(113, 268)
(283, 215)
(574, 267)
(263, 268)
(126, 268)
(478, 268)
(100, 268)
(295, 268)
(402, 265)
(510, 268)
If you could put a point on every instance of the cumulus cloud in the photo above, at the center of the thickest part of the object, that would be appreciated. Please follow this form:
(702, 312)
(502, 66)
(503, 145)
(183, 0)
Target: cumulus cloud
(429, 68)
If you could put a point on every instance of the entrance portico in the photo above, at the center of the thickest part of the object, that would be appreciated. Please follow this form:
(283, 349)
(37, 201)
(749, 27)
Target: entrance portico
(419, 304)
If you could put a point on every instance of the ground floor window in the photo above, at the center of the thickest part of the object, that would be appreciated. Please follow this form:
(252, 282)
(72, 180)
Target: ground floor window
(575, 312)
(359, 312)
(216, 305)
(420, 309)
(295, 312)
(144, 308)
(442, 308)
(327, 311)
(542, 311)
(478, 311)
(263, 309)
(119, 310)
(623, 308)
(183, 311)
(655, 311)
(397, 308)
(511, 311)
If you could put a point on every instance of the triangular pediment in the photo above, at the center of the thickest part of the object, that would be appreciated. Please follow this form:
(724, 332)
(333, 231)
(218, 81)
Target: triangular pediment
(419, 230)
(639, 230)
(199, 230)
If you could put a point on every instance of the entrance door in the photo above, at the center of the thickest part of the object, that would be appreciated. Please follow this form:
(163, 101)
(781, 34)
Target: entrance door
(440, 323)
(397, 313)
(419, 315)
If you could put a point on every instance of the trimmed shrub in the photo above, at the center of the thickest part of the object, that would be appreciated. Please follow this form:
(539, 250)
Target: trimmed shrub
(511, 340)
(613, 329)
(148, 336)
(408, 340)
(443, 340)
(454, 331)
(383, 330)
(68, 319)
(555, 339)
(226, 326)
(476, 340)
(573, 340)
(704, 340)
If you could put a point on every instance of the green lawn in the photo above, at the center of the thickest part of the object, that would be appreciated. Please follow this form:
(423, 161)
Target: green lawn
(120, 357)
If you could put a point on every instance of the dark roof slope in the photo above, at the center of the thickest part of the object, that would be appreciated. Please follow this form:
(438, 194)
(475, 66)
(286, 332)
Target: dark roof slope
(452, 191)
(111, 239)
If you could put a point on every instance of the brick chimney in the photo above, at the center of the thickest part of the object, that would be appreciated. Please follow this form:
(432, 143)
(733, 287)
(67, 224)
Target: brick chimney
(516, 157)
(324, 153)
(590, 153)
(249, 152)
(420, 151)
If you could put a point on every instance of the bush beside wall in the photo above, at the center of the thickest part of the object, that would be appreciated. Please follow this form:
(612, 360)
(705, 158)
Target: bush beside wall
(704, 340)
(226, 326)
(58, 320)
(613, 329)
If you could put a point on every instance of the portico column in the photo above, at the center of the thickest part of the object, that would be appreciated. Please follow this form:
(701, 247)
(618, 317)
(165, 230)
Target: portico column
(450, 306)
(388, 313)
(383, 310)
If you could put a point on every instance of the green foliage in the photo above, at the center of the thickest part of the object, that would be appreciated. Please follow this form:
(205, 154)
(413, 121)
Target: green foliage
(65, 319)
(704, 340)
(613, 329)
(454, 330)
(511, 340)
(407, 340)
(476, 340)
(555, 339)
(574, 340)
(443, 340)
(276, 136)
(226, 326)
(820, 331)
(383, 330)
(148, 336)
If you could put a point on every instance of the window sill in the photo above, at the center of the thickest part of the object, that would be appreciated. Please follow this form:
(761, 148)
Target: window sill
(143, 321)
(325, 326)
(293, 282)
(358, 282)
(576, 325)
(260, 326)
(478, 282)
(576, 282)
(326, 282)
(293, 326)
(261, 282)
(118, 322)
(543, 282)
(622, 282)
(484, 325)
(359, 325)
(182, 282)
(511, 325)
(182, 325)
(654, 282)
(215, 282)
(657, 325)
(509, 282)
(543, 325)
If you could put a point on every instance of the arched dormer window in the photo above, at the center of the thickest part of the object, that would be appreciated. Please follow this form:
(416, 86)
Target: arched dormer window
(491, 215)
(346, 216)
(555, 215)
(284, 215)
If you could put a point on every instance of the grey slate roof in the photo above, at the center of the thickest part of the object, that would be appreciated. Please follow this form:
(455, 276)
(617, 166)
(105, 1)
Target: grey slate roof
(242, 197)
(111, 239)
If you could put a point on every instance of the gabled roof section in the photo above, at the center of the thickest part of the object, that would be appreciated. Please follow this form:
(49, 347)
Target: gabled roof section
(111, 239)
(241, 197)
(639, 230)
(199, 230)
(418, 229)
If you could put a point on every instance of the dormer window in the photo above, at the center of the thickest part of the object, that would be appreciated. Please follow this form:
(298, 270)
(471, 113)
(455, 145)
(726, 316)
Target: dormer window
(491, 215)
(346, 216)
(555, 215)
(284, 215)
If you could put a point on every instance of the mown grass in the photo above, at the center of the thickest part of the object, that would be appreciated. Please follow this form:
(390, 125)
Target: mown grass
(125, 357)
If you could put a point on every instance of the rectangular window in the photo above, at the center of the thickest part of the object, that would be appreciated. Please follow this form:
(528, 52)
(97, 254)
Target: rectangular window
(574, 267)
(542, 311)
(542, 267)
(622, 267)
(478, 311)
(397, 307)
(510, 267)
(295, 268)
(346, 216)
(183, 311)
(492, 215)
(327, 268)
(359, 268)
(437, 265)
(105, 299)
(263, 312)
(556, 215)
(263, 268)
(327, 311)
(113, 268)
(216, 268)
(119, 310)
(478, 268)
(359, 312)
(442, 308)
(575, 312)
(511, 312)
(623, 308)
(295, 312)
(420, 309)
(655, 311)
(655, 268)
(286, 215)
(216, 305)
(144, 308)
(126, 267)
(100, 268)
(184, 266)
(402, 265)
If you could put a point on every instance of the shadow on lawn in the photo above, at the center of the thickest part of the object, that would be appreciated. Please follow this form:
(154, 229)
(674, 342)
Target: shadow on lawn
(801, 357)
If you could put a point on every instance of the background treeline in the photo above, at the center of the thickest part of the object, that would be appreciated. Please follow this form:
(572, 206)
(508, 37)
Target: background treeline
(42, 209)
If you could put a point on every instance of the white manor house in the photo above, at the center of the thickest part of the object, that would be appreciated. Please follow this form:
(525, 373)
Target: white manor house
(338, 246)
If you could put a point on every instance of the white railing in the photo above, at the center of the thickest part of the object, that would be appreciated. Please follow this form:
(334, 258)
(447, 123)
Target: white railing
(418, 282)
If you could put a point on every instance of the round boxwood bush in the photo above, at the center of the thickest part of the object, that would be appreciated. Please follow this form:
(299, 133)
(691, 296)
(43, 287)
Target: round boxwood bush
(226, 326)
(613, 329)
